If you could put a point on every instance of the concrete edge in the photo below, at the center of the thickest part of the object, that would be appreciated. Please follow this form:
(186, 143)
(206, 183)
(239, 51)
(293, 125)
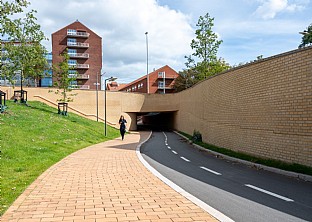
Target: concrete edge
(213, 212)
(258, 166)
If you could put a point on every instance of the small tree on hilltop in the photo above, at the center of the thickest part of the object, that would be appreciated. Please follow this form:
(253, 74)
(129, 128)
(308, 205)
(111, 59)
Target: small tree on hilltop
(63, 81)
(203, 62)
(307, 37)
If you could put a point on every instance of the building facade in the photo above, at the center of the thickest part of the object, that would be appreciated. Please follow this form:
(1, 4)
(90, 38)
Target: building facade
(85, 51)
(160, 81)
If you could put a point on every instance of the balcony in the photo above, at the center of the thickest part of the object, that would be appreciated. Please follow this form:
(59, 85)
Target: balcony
(166, 87)
(82, 66)
(78, 34)
(80, 86)
(79, 66)
(82, 76)
(166, 77)
(161, 85)
(162, 75)
(79, 55)
(78, 44)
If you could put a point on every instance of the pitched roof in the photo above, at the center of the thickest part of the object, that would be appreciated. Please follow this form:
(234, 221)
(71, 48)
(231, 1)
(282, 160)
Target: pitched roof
(114, 86)
(145, 76)
(79, 23)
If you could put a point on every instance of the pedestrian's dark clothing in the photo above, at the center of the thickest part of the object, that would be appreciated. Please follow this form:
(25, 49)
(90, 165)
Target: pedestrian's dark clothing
(122, 128)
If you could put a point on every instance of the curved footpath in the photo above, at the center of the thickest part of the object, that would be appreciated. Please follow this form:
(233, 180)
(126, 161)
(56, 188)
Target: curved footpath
(103, 182)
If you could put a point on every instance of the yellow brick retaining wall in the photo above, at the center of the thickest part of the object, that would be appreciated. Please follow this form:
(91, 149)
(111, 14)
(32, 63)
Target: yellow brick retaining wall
(263, 108)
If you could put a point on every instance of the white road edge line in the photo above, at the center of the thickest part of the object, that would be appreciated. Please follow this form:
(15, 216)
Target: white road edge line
(213, 212)
(174, 152)
(165, 135)
(270, 193)
(211, 171)
(183, 158)
(169, 147)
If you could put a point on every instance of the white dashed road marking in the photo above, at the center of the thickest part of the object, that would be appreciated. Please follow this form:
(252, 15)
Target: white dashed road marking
(183, 158)
(268, 192)
(174, 152)
(211, 171)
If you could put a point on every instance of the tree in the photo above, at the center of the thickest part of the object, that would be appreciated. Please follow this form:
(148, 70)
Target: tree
(23, 50)
(186, 79)
(63, 79)
(7, 9)
(203, 62)
(307, 37)
(205, 48)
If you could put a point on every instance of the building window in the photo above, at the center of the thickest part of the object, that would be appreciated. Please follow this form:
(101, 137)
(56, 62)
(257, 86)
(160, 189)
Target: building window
(161, 74)
(71, 32)
(72, 51)
(73, 83)
(160, 84)
(72, 62)
(72, 73)
(71, 41)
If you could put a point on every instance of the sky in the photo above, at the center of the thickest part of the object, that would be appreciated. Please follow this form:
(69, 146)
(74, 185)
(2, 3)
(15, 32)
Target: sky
(248, 28)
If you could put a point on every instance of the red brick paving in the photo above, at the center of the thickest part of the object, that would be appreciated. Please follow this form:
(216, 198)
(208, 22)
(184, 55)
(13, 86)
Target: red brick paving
(104, 182)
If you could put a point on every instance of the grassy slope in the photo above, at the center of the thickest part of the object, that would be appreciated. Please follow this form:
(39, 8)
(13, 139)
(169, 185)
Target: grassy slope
(34, 138)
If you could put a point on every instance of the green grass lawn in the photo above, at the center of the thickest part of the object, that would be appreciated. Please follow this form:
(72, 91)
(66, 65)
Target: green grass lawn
(35, 137)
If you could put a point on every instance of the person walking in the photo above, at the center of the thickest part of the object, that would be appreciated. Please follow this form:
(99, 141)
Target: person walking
(122, 128)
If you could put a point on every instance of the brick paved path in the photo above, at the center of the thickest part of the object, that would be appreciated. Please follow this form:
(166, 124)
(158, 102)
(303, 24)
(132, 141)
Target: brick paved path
(104, 182)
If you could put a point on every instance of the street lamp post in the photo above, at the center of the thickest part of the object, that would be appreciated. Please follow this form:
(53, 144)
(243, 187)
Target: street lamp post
(147, 78)
(97, 97)
(105, 123)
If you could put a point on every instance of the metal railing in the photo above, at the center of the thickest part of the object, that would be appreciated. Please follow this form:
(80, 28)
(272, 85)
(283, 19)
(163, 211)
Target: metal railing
(78, 44)
(82, 66)
(78, 55)
(79, 76)
(80, 86)
(164, 87)
(79, 34)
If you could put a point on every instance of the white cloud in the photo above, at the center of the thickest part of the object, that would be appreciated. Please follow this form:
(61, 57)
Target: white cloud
(270, 8)
(122, 25)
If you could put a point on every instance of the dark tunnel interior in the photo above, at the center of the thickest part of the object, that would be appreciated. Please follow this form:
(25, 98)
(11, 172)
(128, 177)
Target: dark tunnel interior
(156, 121)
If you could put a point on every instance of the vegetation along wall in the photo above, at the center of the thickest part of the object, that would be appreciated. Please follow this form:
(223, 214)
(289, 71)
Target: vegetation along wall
(264, 108)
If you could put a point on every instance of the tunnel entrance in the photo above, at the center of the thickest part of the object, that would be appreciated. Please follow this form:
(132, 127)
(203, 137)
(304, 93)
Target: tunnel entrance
(156, 121)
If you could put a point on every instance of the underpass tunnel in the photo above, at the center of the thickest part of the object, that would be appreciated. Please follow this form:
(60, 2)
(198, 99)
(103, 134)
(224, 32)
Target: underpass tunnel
(157, 121)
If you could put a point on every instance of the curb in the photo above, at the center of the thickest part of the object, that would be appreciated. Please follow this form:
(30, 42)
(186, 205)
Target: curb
(257, 165)
(213, 212)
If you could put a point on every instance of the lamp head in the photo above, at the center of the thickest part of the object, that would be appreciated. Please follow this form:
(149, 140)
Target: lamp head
(111, 79)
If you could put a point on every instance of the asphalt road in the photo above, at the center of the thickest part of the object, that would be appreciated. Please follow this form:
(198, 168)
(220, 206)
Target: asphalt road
(240, 192)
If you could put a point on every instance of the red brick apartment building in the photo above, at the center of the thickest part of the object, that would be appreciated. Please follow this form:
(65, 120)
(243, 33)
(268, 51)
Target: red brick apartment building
(160, 81)
(85, 51)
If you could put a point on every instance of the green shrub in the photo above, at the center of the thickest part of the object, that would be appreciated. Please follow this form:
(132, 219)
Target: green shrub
(197, 137)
